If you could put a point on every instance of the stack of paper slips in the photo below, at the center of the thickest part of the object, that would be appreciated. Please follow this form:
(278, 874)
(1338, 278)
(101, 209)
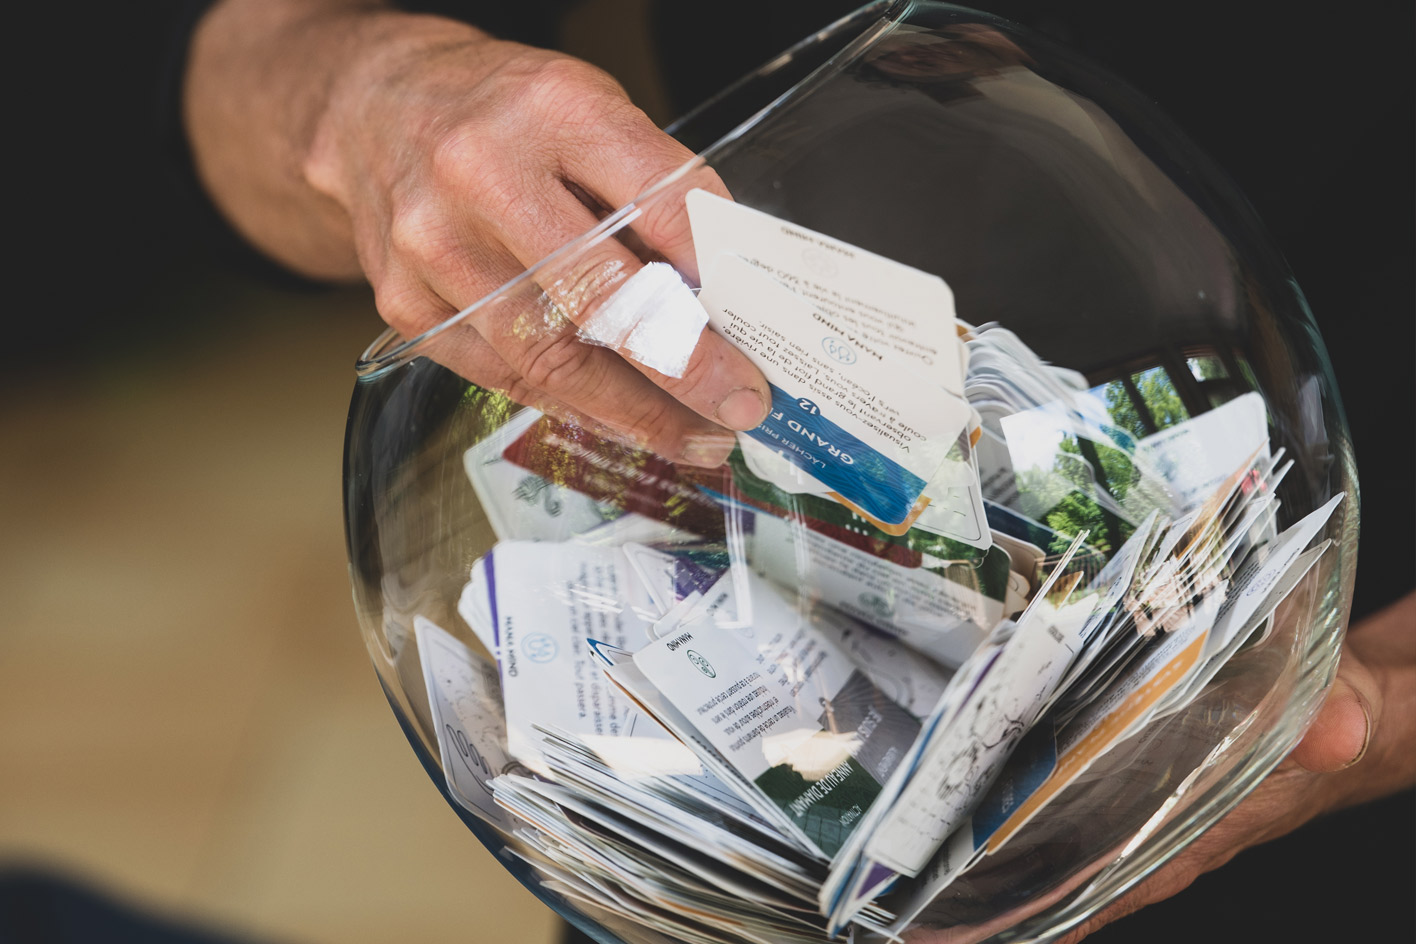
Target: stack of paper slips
(811, 689)
(936, 594)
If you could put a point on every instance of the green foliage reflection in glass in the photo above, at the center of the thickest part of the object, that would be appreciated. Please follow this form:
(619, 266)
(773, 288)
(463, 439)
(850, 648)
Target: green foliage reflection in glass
(1140, 404)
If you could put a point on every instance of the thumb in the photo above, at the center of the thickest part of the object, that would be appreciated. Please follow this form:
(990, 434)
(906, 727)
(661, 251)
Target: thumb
(1346, 722)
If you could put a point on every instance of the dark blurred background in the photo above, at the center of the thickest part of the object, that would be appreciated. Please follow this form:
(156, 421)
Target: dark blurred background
(188, 724)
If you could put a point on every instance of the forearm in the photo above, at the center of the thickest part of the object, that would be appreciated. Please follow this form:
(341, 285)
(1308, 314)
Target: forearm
(343, 139)
(260, 83)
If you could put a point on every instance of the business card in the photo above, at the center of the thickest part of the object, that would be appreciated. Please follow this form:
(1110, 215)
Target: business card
(847, 414)
(873, 300)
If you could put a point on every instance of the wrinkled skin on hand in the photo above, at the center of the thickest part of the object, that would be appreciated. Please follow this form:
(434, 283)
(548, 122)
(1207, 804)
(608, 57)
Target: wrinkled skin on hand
(440, 163)
(1358, 748)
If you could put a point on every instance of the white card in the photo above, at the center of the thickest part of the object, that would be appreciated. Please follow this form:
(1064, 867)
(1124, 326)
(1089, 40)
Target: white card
(884, 303)
(970, 752)
(1255, 580)
(908, 678)
(942, 618)
(787, 709)
(852, 416)
(547, 601)
(1195, 456)
(466, 704)
(764, 705)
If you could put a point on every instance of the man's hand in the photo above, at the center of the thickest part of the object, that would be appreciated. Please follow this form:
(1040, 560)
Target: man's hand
(1361, 746)
(439, 163)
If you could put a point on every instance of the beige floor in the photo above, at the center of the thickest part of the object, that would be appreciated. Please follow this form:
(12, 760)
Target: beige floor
(187, 714)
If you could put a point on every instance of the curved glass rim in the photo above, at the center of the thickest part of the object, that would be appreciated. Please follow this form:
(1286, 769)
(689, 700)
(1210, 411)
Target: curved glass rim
(1196, 803)
(390, 348)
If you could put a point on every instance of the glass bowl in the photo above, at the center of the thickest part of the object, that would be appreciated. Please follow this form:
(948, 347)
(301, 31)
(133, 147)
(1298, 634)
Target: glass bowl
(1063, 213)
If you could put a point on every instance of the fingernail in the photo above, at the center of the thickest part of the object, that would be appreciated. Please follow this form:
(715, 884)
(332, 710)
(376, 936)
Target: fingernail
(1366, 731)
(708, 451)
(742, 409)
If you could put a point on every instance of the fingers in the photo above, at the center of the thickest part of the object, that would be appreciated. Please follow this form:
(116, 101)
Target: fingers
(696, 367)
(504, 185)
(652, 318)
(1342, 731)
(652, 419)
(526, 345)
(597, 382)
(634, 157)
(720, 383)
